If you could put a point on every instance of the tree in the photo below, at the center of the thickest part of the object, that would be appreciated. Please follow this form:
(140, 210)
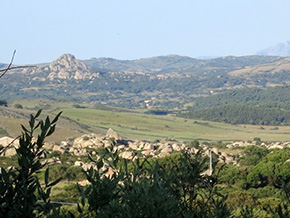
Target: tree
(20, 189)
(252, 155)
(3, 103)
(18, 106)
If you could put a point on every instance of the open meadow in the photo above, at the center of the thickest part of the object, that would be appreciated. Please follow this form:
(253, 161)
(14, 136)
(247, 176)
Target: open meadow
(77, 120)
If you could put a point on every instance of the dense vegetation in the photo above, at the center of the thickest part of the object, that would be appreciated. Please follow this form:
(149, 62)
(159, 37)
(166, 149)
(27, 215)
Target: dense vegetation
(245, 106)
(173, 186)
(20, 188)
(242, 114)
(275, 97)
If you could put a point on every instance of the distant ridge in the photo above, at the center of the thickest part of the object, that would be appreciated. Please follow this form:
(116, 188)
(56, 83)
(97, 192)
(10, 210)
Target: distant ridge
(280, 49)
(164, 81)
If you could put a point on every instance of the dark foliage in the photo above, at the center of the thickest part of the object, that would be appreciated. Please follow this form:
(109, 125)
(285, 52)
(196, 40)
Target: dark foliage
(21, 193)
(245, 106)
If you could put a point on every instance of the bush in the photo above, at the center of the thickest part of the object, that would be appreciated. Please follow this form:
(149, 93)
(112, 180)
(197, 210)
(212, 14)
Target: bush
(18, 106)
(194, 144)
(86, 138)
(3, 103)
(18, 185)
(78, 106)
(157, 112)
(151, 190)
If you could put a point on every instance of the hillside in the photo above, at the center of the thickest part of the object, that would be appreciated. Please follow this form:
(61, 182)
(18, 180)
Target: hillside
(161, 64)
(166, 81)
(177, 64)
(269, 106)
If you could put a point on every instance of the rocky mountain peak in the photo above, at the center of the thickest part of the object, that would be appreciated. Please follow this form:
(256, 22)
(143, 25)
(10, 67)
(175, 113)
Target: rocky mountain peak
(66, 60)
(68, 67)
(67, 57)
(65, 67)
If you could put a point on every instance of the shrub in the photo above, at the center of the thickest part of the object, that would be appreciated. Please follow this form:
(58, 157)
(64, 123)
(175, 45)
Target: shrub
(194, 144)
(3, 103)
(86, 138)
(149, 189)
(18, 185)
(78, 106)
(18, 106)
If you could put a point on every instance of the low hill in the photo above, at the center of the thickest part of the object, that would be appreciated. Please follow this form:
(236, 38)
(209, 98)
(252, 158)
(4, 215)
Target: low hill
(160, 64)
(269, 106)
(177, 64)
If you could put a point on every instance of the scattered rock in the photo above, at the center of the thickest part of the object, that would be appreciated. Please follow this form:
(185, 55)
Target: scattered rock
(111, 134)
(78, 163)
(127, 154)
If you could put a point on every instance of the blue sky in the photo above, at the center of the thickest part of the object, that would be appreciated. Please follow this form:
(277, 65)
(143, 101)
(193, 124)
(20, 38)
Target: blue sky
(42, 30)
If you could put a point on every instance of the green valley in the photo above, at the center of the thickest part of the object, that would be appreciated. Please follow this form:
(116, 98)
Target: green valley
(133, 123)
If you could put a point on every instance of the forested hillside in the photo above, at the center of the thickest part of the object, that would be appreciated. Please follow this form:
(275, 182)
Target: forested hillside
(245, 106)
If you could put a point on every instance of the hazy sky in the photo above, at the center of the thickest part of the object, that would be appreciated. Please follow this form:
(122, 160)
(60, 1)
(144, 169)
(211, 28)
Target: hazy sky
(42, 30)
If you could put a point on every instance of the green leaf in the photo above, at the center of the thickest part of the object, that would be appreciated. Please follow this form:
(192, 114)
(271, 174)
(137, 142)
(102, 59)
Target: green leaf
(38, 113)
(79, 188)
(47, 123)
(80, 209)
(71, 214)
(36, 126)
(40, 141)
(46, 177)
(23, 127)
(83, 200)
(56, 118)
(88, 189)
(32, 121)
(51, 130)
(100, 164)
(55, 182)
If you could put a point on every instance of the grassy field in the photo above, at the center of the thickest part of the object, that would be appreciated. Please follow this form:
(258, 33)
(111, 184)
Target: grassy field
(134, 124)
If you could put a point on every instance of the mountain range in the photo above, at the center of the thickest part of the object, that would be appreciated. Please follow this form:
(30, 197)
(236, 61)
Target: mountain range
(165, 81)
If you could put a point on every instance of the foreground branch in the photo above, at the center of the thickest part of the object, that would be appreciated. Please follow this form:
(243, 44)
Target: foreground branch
(10, 66)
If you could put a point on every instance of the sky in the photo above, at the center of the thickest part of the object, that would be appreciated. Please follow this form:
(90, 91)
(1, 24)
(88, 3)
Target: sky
(42, 30)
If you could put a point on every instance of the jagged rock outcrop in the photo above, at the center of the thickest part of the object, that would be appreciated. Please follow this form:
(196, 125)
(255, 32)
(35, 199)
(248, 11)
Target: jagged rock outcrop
(113, 135)
(68, 67)
(65, 67)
